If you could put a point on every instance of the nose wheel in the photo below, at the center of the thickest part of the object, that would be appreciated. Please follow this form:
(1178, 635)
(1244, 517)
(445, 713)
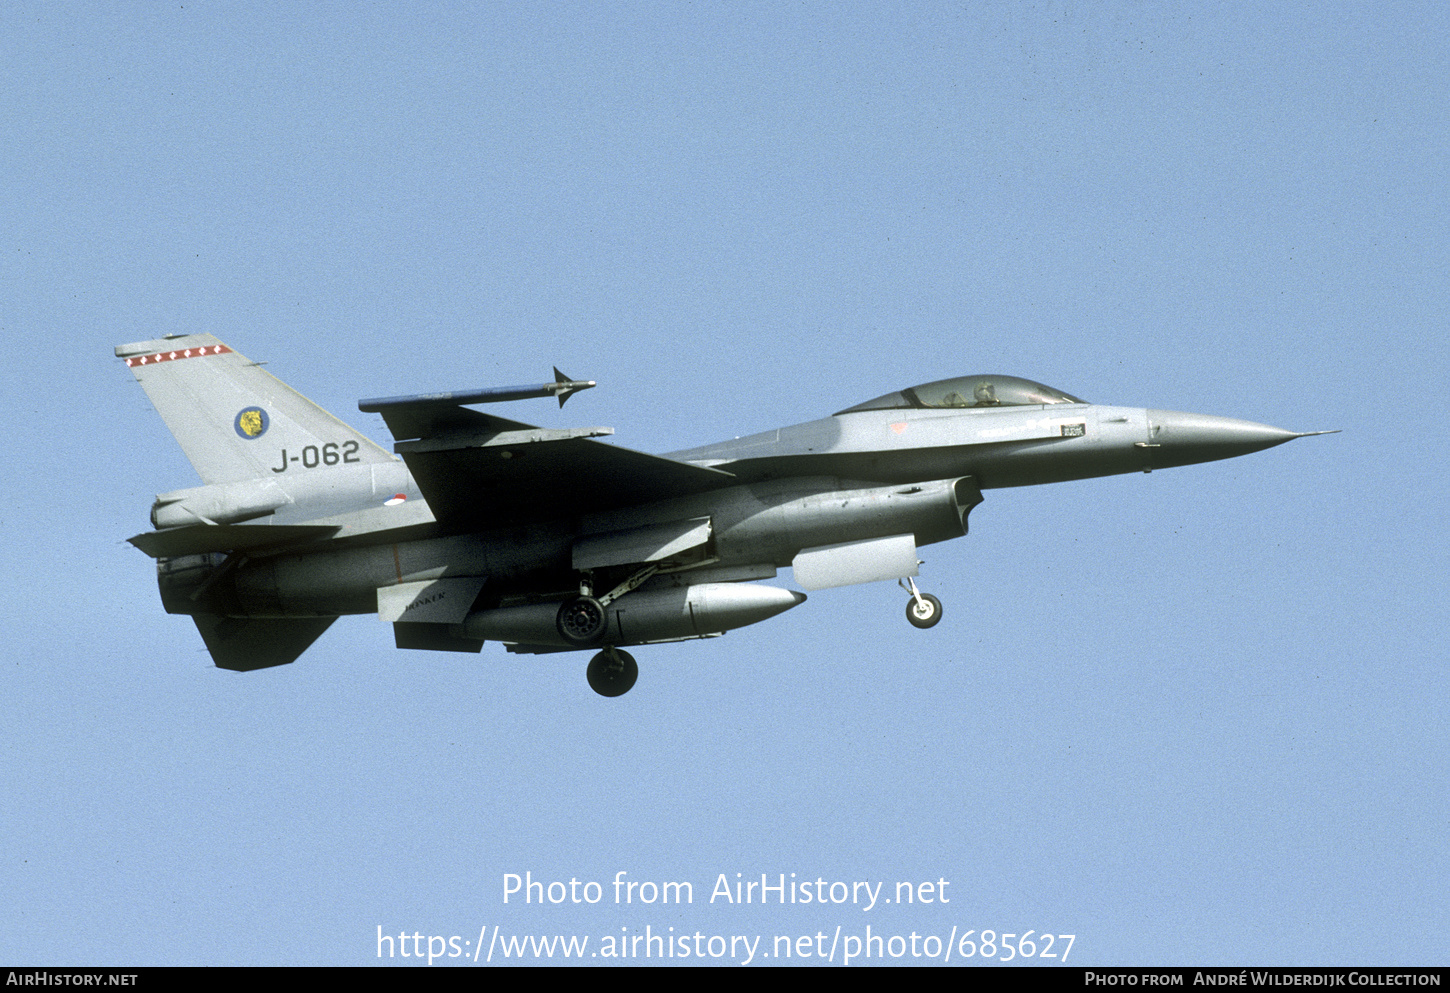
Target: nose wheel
(612, 672)
(923, 610)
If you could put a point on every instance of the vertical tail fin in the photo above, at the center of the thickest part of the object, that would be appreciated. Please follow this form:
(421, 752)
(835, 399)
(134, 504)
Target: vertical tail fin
(233, 420)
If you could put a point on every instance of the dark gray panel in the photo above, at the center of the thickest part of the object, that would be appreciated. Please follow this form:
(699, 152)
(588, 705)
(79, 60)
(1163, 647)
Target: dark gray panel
(197, 539)
(243, 644)
(496, 485)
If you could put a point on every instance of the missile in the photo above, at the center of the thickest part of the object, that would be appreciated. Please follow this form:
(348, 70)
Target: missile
(563, 387)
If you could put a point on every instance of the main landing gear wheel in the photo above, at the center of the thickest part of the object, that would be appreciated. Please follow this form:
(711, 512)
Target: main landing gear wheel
(581, 621)
(612, 672)
(923, 612)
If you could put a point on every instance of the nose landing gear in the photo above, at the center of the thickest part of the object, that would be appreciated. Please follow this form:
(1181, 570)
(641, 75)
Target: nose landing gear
(923, 610)
(612, 672)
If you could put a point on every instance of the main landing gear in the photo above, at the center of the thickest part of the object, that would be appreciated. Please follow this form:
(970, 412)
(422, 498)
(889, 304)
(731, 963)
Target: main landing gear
(582, 621)
(923, 610)
(612, 672)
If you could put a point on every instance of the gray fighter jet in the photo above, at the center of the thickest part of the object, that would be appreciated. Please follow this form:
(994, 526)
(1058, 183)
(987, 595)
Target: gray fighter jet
(482, 528)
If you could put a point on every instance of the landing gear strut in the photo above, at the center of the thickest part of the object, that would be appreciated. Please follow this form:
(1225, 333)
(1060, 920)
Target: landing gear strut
(923, 610)
(612, 672)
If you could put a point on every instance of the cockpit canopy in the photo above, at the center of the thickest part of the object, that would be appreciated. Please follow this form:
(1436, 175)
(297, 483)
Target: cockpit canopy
(968, 391)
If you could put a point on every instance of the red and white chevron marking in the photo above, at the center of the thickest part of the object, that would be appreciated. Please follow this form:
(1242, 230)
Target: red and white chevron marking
(185, 353)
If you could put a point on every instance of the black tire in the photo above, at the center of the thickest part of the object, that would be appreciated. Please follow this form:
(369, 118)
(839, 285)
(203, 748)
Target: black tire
(923, 618)
(609, 677)
(581, 621)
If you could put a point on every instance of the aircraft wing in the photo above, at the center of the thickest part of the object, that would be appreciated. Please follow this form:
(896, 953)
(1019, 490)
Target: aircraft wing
(477, 469)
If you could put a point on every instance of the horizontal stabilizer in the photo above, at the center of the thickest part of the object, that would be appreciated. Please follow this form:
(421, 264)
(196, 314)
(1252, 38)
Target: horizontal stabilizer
(196, 539)
(243, 643)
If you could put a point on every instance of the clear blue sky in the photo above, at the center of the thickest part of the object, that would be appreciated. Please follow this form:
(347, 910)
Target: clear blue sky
(1192, 717)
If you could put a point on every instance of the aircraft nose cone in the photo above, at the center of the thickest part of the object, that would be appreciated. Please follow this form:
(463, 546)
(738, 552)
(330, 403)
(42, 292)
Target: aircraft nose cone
(1176, 438)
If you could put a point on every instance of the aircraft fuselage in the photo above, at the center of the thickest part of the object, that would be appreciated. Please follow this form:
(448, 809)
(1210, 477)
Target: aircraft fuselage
(839, 479)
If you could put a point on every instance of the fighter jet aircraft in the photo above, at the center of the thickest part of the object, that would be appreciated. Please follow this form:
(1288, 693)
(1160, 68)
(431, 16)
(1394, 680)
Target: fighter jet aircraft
(482, 528)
